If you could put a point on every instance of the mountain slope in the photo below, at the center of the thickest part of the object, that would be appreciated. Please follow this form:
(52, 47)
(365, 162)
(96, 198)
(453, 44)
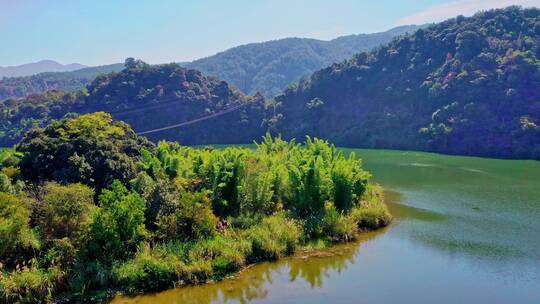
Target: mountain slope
(38, 67)
(464, 86)
(269, 67)
(147, 97)
(14, 87)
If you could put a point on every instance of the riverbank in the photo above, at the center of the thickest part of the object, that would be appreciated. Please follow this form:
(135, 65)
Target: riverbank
(87, 206)
(454, 238)
(236, 250)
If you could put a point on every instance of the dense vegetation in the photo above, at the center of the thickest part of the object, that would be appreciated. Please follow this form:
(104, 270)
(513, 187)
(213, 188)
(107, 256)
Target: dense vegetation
(147, 97)
(465, 86)
(86, 205)
(17, 87)
(269, 67)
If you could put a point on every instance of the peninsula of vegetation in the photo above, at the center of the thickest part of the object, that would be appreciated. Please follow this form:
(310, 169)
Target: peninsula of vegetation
(88, 209)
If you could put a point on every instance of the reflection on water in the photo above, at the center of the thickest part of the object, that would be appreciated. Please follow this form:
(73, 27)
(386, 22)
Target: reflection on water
(466, 231)
(254, 283)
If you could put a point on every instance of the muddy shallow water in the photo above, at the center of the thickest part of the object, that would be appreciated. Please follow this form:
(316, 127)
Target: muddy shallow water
(466, 230)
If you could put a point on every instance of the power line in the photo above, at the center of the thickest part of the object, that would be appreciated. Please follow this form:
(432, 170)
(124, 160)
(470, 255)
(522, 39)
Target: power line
(149, 107)
(193, 121)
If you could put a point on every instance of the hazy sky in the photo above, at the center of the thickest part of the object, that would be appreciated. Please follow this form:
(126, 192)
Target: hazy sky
(94, 32)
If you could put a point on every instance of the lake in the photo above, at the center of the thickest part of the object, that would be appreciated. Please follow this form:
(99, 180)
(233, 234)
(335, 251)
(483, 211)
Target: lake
(466, 230)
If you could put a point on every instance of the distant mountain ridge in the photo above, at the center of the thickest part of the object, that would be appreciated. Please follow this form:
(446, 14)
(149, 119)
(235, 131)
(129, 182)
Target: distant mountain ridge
(38, 67)
(17, 87)
(268, 67)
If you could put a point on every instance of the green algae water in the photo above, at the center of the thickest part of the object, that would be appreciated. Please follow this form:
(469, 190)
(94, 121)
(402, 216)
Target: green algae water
(466, 230)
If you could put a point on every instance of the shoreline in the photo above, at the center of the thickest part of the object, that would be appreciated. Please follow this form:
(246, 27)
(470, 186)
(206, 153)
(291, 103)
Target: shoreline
(305, 252)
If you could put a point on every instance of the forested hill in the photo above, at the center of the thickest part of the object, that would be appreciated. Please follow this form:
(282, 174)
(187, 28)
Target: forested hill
(13, 87)
(147, 97)
(464, 86)
(269, 67)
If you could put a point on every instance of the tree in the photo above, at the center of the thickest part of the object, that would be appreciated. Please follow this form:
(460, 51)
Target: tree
(91, 149)
(191, 219)
(16, 236)
(65, 211)
(118, 225)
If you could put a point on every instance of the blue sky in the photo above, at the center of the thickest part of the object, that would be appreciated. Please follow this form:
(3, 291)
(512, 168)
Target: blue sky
(94, 32)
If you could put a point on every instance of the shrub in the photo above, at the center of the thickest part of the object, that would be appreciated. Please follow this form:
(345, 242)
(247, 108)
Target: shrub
(190, 219)
(337, 226)
(152, 269)
(16, 236)
(29, 285)
(148, 271)
(5, 184)
(227, 252)
(257, 189)
(118, 225)
(372, 213)
(226, 168)
(349, 181)
(274, 237)
(370, 217)
(65, 211)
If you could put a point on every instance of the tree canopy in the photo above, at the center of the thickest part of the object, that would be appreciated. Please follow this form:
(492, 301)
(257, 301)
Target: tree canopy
(464, 86)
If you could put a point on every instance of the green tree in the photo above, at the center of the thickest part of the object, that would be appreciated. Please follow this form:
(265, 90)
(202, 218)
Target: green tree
(191, 219)
(91, 149)
(16, 235)
(118, 225)
(65, 211)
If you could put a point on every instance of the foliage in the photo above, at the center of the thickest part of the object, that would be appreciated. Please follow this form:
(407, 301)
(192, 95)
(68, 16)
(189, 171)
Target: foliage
(463, 86)
(118, 225)
(90, 149)
(29, 285)
(191, 219)
(274, 237)
(9, 157)
(18, 87)
(65, 211)
(17, 238)
(370, 213)
(178, 215)
(269, 67)
(148, 97)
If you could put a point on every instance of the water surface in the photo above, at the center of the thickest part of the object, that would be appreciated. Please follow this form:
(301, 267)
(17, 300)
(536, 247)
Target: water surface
(467, 230)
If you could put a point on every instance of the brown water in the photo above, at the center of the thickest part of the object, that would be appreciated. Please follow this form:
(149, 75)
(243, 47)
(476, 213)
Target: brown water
(466, 231)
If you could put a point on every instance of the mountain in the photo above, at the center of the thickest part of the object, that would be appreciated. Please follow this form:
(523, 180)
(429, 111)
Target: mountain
(38, 67)
(269, 67)
(147, 97)
(14, 87)
(467, 86)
